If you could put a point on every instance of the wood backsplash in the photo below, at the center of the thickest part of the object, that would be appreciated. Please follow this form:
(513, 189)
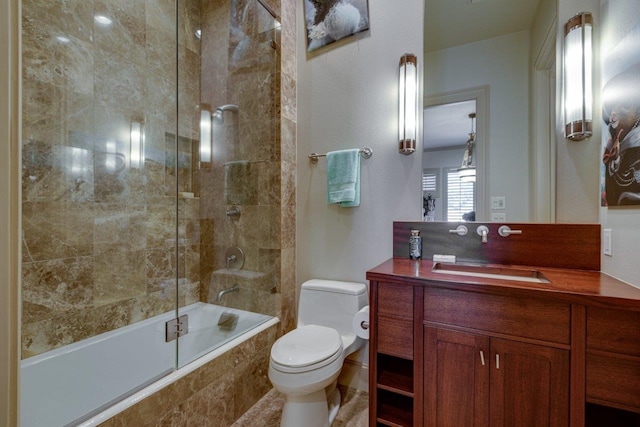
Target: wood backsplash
(575, 246)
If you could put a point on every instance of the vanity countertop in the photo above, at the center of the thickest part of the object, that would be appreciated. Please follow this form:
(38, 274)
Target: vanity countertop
(578, 286)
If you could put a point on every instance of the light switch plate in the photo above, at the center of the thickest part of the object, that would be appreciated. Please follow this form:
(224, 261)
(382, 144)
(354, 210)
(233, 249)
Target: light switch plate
(498, 202)
(607, 242)
(498, 217)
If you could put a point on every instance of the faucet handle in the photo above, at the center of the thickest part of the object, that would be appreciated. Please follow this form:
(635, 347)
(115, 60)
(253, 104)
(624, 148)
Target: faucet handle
(461, 230)
(506, 231)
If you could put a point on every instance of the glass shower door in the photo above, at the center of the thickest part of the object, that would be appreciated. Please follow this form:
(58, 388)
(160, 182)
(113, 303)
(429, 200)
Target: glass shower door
(228, 169)
(99, 203)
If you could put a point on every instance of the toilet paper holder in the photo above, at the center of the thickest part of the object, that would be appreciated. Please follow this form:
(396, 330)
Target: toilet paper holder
(364, 324)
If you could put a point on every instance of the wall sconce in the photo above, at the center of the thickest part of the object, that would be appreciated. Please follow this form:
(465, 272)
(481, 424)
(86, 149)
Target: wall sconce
(578, 90)
(408, 103)
(206, 141)
(136, 158)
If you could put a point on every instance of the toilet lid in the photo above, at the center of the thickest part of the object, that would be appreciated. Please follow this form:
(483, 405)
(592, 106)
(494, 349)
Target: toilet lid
(307, 345)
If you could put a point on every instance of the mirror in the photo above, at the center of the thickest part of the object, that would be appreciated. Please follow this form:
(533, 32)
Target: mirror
(498, 58)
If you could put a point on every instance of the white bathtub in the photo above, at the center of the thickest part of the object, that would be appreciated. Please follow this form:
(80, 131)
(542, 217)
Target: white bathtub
(87, 382)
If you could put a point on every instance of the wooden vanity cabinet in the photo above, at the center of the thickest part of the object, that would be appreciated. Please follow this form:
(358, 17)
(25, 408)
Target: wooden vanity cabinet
(475, 359)
(495, 360)
(613, 358)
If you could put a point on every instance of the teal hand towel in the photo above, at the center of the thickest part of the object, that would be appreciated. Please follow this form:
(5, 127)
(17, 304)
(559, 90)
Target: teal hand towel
(343, 177)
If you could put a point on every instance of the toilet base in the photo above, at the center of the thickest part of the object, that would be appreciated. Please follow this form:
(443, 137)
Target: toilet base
(333, 400)
(318, 409)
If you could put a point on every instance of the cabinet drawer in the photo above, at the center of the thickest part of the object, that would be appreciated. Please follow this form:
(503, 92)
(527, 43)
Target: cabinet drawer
(395, 336)
(523, 317)
(395, 300)
(616, 331)
(614, 379)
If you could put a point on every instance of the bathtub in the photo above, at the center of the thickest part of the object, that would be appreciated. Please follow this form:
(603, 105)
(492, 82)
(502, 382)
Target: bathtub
(88, 382)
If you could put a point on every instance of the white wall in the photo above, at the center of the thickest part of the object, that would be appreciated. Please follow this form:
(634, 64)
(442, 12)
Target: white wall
(347, 98)
(502, 63)
(577, 162)
(618, 17)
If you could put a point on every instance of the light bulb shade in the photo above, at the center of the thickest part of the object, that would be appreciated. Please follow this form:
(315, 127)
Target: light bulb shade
(136, 157)
(408, 103)
(205, 136)
(577, 80)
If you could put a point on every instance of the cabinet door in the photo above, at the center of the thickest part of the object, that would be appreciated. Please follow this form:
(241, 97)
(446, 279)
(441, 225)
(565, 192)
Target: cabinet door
(456, 378)
(529, 385)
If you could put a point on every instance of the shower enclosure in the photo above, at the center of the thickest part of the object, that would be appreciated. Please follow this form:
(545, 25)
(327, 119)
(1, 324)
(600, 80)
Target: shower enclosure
(151, 154)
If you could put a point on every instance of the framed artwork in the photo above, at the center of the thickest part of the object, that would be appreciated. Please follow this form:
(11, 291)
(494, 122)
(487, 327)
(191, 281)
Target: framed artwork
(620, 165)
(327, 21)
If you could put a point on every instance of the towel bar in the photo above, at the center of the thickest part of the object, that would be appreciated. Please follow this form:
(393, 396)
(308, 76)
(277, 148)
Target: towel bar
(365, 153)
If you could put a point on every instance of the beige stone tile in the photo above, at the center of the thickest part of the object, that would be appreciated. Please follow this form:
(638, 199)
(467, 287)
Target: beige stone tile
(119, 81)
(55, 230)
(50, 288)
(127, 28)
(119, 275)
(251, 382)
(267, 411)
(288, 141)
(70, 17)
(56, 331)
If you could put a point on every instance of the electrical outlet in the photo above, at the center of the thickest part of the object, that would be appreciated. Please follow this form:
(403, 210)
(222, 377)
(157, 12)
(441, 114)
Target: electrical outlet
(607, 242)
(498, 216)
(498, 202)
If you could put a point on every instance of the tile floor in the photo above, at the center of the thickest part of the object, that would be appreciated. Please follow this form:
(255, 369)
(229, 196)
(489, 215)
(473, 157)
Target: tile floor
(266, 413)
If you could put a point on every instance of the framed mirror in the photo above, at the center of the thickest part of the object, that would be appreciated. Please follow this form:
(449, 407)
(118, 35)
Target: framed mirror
(501, 55)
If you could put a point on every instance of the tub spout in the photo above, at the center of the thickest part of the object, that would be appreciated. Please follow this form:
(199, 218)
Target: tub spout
(223, 292)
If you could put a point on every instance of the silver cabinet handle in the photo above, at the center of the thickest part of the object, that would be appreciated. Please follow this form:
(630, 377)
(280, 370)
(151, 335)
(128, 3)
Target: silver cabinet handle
(506, 231)
(482, 357)
(497, 361)
(461, 230)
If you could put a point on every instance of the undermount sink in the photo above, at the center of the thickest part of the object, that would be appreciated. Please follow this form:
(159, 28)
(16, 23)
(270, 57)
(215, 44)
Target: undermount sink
(491, 272)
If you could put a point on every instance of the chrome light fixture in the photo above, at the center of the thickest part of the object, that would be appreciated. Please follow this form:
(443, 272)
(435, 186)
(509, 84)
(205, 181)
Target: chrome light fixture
(577, 80)
(136, 158)
(408, 103)
(206, 141)
(467, 171)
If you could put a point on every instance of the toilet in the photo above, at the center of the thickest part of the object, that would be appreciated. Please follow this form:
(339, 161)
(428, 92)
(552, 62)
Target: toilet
(305, 363)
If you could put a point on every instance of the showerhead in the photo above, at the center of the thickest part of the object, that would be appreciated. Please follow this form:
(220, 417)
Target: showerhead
(218, 115)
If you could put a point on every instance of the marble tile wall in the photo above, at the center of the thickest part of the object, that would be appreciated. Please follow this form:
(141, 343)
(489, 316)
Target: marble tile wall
(214, 395)
(249, 57)
(98, 234)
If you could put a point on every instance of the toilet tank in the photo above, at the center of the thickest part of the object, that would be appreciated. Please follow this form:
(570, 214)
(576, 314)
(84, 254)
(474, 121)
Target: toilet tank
(331, 303)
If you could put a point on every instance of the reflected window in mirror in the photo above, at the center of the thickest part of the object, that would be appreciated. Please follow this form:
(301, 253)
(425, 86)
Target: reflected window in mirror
(460, 197)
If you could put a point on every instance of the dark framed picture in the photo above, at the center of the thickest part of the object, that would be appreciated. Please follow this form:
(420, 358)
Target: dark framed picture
(620, 167)
(327, 21)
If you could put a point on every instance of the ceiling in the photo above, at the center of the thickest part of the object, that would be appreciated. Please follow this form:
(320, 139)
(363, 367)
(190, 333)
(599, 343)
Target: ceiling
(450, 23)
(447, 125)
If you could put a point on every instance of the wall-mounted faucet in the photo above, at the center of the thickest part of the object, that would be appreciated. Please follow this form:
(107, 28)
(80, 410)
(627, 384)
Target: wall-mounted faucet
(483, 231)
(223, 292)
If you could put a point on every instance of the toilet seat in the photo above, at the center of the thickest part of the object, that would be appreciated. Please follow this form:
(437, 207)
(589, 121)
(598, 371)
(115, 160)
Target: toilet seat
(306, 348)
